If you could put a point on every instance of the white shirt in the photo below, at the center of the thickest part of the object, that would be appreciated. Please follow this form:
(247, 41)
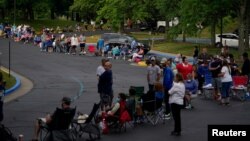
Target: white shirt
(100, 70)
(177, 93)
(227, 76)
(74, 41)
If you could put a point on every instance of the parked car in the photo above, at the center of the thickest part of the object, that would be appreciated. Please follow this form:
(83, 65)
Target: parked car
(149, 25)
(120, 39)
(229, 39)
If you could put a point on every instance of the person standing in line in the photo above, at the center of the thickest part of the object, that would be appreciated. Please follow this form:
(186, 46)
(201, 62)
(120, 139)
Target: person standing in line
(195, 55)
(245, 69)
(168, 77)
(100, 46)
(177, 93)
(74, 44)
(204, 57)
(215, 69)
(82, 42)
(154, 73)
(105, 85)
(226, 82)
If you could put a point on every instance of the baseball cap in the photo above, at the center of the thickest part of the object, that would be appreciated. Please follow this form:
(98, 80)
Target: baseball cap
(163, 60)
(152, 58)
(66, 100)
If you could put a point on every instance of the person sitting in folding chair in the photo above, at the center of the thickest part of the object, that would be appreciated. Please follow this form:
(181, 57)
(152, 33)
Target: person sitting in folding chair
(118, 114)
(60, 120)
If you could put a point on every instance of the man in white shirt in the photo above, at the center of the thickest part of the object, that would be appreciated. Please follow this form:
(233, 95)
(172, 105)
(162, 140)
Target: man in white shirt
(74, 44)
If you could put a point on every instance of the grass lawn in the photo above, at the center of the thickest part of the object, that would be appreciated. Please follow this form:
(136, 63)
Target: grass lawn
(39, 24)
(92, 39)
(10, 81)
(187, 49)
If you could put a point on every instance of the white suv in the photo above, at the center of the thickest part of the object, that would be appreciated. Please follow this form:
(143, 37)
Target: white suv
(229, 39)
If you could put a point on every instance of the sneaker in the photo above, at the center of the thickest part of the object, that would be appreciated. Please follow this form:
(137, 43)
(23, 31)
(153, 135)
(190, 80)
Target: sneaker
(167, 116)
(188, 107)
(173, 133)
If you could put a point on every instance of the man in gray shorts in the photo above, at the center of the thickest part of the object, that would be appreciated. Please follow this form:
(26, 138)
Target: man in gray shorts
(215, 68)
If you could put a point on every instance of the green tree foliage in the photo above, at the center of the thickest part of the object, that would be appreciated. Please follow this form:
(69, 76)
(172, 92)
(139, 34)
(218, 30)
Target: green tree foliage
(86, 8)
(169, 9)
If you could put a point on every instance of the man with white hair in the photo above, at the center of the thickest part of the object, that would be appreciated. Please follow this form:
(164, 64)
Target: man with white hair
(153, 74)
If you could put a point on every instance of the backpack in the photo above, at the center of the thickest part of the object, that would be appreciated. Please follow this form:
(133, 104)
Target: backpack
(6, 134)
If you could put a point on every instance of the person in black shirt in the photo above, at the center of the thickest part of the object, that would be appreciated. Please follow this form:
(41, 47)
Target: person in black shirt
(215, 68)
(245, 70)
(195, 55)
(105, 85)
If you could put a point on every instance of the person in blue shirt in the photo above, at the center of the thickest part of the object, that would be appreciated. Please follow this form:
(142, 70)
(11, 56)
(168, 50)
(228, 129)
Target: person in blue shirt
(100, 45)
(168, 78)
(191, 87)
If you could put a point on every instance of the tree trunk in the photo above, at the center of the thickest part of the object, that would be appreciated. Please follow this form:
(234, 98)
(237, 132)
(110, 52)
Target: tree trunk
(184, 35)
(25, 14)
(31, 13)
(52, 13)
(247, 32)
(242, 11)
(2, 13)
(78, 19)
(213, 25)
(121, 27)
(72, 16)
(166, 35)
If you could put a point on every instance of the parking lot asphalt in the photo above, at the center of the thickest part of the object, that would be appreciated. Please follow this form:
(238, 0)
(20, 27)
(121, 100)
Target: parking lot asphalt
(56, 75)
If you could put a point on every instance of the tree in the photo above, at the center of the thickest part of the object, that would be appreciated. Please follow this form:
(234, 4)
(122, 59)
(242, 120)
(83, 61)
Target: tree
(205, 12)
(86, 8)
(117, 11)
(169, 10)
(59, 7)
(243, 16)
(2, 8)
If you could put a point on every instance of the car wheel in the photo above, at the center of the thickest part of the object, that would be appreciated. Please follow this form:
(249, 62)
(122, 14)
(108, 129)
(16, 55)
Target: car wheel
(218, 44)
(161, 29)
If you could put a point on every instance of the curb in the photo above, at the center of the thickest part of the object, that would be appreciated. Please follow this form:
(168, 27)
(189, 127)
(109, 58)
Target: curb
(16, 86)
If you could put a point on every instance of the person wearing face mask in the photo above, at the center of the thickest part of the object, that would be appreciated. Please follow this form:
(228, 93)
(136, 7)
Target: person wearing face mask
(119, 104)
(191, 87)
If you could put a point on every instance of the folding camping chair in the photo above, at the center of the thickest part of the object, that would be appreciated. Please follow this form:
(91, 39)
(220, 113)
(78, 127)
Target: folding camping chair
(152, 108)
(239, 88)
(88, 125)
(91, 49)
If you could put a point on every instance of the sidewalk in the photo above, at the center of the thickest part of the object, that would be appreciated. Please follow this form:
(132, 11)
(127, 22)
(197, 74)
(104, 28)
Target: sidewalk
(25, 87)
